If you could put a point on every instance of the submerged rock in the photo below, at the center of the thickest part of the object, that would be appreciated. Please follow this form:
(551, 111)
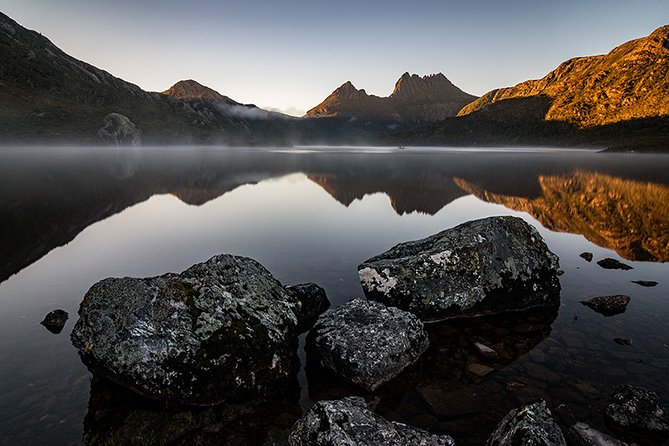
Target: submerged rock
(609, 263)
(531, 425)
(608, 305)
(366, 342)
(218, 331)
(637, 409)
(587, 256)
(348, 422)
(485, 351)
(55, 321)
(485, 266)
(312, 303)
(118, 130)
(581, 434)
(645, 283)
(622, 341)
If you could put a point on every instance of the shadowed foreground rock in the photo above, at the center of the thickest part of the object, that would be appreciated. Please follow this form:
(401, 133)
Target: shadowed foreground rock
(637, 410)
(367, 343)
(608, 305)
(532, 425)
(218, 331)
(349, 422)
(312, 302)
(485, 266)
(580, 434)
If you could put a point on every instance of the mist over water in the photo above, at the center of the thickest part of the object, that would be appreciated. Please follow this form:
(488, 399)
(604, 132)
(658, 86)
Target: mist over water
(73, 216)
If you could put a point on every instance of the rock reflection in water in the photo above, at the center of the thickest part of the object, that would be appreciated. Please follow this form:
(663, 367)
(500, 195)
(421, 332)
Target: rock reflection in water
(117, 416)
(454, 388)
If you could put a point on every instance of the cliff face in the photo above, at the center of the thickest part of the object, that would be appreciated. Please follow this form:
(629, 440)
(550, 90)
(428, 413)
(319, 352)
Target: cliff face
(628, 83)
(414, 99)
(630, 217)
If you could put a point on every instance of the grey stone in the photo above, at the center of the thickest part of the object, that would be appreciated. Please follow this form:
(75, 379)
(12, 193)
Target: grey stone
(531, 425)
(348, 422)
(581, 434)
(312, 302)
(118, 130)
(55, 321)
(485, 266)
(218, 331)
(608, 305)
(609, 263)
(637, 409)
(367, 343)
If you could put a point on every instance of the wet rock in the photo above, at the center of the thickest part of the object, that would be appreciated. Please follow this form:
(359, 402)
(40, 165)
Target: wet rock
(348, 422)
(219, 331)
(609, 263)
(484, 351)
(55, 321)
(587, 256)
(622, 341)
(645, 283)
(118, 130)
(312, 303)
(485, 266)
(366, 342)
(531, 425)
(608, 305)
(637, 409)
(479, 369)
(581, 434)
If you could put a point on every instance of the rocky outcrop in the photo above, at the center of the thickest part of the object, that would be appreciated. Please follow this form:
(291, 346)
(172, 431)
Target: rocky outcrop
(627, 83)
(55, 321)
(485, 266)
(218, 331)
(608, 305)
(366, 342)
(532, 425)
(312, 302)
(118, 130)
(637, 410)
(348, 422)
(415, 99)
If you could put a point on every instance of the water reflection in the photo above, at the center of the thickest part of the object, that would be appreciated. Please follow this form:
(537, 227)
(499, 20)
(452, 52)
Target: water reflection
(614, 203)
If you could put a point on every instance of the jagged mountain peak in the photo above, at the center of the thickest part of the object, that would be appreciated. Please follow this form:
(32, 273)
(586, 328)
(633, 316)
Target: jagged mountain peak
(192, 90)
(431, 88)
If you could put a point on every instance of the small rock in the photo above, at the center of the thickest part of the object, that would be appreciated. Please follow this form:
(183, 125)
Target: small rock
(622, 341)
(484, 351)
(608, 305)
(487, 266)
(587, 256)
(637, 409)
(55, 321)
(581, 434)
(609, 263)
(531, 425)
(560, 272)
(348, 422)
(312, 303)
(479, 369)
(366, 342)
(645, 283)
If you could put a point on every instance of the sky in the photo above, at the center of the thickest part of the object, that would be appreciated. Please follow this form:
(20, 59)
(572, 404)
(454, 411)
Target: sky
(288, 55)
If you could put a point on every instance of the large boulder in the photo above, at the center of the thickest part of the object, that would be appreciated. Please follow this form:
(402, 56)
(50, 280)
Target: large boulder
(485, 266)
(638, 410)
(366, 343)
(219, 331)
(531, 425)
(119, 130)
(348, 422)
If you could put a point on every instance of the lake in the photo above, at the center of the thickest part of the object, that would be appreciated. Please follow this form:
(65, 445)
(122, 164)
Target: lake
(73, 216)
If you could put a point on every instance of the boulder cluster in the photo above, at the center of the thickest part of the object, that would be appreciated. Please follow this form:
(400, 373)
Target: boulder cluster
(226, 330)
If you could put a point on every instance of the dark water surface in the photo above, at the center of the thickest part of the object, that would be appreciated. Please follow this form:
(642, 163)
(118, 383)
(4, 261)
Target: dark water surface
(70, 217)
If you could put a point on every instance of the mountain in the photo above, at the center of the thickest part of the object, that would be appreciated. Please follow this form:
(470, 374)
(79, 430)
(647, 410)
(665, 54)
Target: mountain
(630, 82)
(47, 96)
(414, 99)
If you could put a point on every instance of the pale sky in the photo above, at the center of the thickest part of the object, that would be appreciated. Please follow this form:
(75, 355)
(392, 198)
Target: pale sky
(289, 55)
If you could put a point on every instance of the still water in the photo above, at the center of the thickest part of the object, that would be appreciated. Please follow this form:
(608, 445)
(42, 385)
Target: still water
(70, 217)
